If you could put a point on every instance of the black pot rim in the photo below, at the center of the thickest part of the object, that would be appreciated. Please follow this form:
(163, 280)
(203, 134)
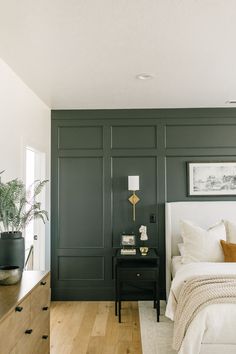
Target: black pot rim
(11, 234)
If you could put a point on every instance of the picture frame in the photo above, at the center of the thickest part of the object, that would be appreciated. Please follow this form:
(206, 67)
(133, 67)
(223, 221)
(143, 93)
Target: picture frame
(128, 240)
(211, 178)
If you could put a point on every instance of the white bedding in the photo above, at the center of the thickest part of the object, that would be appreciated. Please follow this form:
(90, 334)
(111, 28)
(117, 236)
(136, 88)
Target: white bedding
(176, 263)
(214, 324)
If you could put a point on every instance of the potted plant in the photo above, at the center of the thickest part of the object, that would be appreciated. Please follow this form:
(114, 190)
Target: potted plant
(18, 207)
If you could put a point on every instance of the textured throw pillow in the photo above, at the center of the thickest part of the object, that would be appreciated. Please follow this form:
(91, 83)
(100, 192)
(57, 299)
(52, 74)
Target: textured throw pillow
(230, 231)
(229, 251)
(202, 245)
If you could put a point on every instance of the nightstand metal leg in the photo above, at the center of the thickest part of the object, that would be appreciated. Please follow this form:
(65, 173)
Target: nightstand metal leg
(157, 302)
(158, 311)
(119, 310)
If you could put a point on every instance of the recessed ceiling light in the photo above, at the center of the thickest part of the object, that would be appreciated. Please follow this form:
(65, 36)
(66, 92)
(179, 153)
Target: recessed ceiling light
(144, 76)
(231, 102)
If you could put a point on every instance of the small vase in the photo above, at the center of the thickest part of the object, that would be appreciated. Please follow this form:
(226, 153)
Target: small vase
(143, 250)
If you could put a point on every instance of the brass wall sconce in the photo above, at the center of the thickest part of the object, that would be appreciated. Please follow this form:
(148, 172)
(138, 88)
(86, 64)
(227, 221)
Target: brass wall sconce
(133, 185)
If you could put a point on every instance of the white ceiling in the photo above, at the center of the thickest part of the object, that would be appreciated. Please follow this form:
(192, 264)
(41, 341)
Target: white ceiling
(87, 53)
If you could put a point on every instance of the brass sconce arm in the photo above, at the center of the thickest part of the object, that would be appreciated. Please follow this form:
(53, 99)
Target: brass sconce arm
(134, 199)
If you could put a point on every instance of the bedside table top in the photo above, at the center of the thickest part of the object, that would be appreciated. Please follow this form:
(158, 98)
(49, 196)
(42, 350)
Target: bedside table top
(152, 254)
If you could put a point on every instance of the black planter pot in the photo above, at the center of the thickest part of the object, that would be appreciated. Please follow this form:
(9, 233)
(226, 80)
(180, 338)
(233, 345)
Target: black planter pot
(11, 234)
(12, 249)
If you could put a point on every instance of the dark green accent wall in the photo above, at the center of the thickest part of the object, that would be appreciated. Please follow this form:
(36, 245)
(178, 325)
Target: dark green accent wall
(93, 152)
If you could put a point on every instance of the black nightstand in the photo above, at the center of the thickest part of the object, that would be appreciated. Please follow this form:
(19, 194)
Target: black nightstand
(137, 278)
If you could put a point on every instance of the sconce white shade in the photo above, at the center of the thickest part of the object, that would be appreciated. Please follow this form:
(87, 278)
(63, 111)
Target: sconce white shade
(133, 183)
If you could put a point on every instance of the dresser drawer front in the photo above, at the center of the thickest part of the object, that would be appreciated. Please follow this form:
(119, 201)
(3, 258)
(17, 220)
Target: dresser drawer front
(44, 334)
(137, 274)
(28, 344)
(40, 303)
(15, 324)
(37, 341)
(40, 298)
(41, 322)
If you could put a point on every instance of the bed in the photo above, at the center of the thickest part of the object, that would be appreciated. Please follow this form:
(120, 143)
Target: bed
(212, 331)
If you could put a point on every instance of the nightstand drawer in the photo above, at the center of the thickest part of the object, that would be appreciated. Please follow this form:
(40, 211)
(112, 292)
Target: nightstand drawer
(137, 274)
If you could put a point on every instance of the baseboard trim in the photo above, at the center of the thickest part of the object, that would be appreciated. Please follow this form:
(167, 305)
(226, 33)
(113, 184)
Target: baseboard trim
(83, 294)
(87, 294)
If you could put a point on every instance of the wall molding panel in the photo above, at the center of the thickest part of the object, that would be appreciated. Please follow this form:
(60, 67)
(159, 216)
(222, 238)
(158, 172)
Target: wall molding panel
(93, 152)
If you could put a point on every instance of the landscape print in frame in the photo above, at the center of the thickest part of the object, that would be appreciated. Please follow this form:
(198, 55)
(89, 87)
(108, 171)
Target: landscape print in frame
(211, 178)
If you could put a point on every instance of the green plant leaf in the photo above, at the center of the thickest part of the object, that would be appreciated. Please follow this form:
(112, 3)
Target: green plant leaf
(19, 206)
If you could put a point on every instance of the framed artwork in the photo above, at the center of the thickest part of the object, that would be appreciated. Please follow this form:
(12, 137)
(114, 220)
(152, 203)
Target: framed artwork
(128, 240)
(211, 178)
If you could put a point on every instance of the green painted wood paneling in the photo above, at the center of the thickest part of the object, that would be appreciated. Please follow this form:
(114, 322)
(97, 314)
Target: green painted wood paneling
(80, 137)
(80, 196)
(81, 268)
(197, 136)
(93, 152)
(133, 137)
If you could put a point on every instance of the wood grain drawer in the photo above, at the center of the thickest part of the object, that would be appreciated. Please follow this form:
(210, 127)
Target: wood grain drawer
(42, 329)
(26, 344)
(38, 340)
(39, 303)
(14, 324)
(44, 334)
(32, 345)
(42, 322)
(137, 274)
(40, 298)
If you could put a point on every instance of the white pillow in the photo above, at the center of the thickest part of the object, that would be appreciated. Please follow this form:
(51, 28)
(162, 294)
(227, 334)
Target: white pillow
(202, 245)
(230, 231)
(181, 248)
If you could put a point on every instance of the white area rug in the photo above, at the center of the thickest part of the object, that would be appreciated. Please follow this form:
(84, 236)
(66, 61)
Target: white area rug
(156, 336)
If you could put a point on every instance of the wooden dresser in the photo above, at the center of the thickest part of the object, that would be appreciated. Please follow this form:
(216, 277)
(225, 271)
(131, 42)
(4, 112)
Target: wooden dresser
(25, 315)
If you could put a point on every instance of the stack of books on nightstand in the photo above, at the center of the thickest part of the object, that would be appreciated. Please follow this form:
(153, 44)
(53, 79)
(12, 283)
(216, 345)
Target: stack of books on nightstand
(128, 251)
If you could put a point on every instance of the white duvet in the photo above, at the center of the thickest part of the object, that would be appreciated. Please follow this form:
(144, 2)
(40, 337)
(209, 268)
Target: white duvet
(214, 324)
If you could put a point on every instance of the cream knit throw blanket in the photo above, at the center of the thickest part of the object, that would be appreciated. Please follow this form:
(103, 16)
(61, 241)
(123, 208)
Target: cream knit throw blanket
(197, 293)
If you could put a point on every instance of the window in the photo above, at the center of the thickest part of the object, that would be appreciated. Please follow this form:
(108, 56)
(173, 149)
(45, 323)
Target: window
(35, 230)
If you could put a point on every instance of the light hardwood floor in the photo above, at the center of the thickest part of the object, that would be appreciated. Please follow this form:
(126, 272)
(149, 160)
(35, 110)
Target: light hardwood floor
(81, 327)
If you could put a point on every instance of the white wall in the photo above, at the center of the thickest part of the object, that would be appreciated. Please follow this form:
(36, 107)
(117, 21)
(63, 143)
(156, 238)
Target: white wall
(24, 120)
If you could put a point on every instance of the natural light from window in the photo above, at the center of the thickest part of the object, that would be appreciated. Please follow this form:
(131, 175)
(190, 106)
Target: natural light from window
(30, 178)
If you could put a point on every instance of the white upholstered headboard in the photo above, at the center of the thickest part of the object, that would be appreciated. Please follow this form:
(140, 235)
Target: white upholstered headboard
(203, 214)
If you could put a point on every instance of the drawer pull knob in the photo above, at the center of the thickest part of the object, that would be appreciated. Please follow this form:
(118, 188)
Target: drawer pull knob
(43, 283)
(138, 274)
(45, 308)
(18, 308)
(45, 337)
(28, 331)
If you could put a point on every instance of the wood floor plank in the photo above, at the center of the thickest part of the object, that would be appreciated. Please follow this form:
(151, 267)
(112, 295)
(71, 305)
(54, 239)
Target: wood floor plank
(81, 342)
(66, 321)
(80, 327)
(96, 345)
(111, 337)
(100, 323)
